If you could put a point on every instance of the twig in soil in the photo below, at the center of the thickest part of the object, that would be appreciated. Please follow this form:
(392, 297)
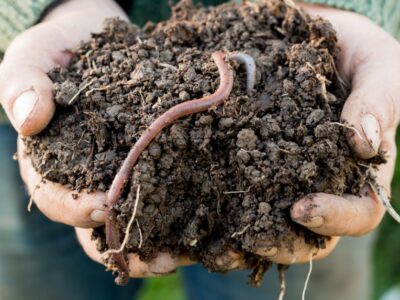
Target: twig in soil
(282, 280)
(303, 295)
(241, 231)
(167, 118)
(128, 229)
(250, 65)
(348, 127)
(168, 66)
(237, 192)
(102, 88)
(74, 97)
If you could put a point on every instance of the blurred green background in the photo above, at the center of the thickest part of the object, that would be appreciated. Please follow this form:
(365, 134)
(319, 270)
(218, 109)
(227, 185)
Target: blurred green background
(386, 258)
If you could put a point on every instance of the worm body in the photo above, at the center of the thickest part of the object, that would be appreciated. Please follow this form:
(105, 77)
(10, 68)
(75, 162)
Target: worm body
(167, 118)
(248, 61)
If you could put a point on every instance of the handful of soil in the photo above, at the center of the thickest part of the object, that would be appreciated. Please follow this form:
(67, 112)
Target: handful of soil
(215, 181)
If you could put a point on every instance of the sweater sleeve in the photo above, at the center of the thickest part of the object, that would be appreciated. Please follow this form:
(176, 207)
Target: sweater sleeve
(385, 13)
(18, 15)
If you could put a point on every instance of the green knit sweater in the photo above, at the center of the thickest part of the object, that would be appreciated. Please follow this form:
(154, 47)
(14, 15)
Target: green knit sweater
(18, 15)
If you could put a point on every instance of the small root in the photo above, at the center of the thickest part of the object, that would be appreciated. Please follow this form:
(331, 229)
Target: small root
(31, 198)
(99, 89)
(303, 295)
(236, 192)
(240, 232)
(74, 97)
(127, 231)
(259, 270)
(168, 66)
(140, 234)
(378, 190)
(348, 127)
(282, 280)
(31, 201)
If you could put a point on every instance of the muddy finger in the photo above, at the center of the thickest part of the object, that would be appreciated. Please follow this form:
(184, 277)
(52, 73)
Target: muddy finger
(298, 252)
(59, 203)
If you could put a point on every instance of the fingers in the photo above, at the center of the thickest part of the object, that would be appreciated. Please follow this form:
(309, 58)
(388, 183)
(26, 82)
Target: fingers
(26, 97)
(298, 252)
(371, 109)
(372, 106)
(369, 59)
(163, 264)
(25, 89)
(348, 215)
(328, 214)
(59, 203)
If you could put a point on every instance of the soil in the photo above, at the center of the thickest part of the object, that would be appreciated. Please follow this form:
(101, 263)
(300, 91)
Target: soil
(214, 181)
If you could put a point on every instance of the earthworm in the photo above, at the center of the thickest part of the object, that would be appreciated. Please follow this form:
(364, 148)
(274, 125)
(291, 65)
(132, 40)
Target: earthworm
(167, 118)
(250, 65)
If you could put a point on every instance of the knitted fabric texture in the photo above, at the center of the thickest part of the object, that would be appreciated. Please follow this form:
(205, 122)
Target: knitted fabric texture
(385, 13)
(18, 15)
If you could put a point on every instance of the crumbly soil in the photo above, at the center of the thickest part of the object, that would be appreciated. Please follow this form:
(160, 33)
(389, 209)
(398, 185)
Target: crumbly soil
(213, 181)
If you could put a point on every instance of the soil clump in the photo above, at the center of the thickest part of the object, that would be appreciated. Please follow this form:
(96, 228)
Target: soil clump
(215, 181)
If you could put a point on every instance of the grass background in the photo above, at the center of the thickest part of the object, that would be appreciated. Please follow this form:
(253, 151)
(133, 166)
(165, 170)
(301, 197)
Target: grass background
(386, 258)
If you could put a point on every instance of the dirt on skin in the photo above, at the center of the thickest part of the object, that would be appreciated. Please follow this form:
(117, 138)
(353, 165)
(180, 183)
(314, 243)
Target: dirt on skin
(213, 181)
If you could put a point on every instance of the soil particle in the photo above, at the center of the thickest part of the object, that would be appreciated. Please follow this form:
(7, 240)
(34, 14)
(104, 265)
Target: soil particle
(209, 175)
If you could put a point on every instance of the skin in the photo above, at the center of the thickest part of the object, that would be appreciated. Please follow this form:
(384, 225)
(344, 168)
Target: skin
(370, 60)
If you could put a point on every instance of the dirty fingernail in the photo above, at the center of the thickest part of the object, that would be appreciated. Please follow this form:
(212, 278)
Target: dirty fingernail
(268, 252)
(310, 222)
(372, 131)
(98, 216)
(23, 107)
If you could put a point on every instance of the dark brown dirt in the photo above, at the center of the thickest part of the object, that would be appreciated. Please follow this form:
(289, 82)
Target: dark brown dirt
(235, 169)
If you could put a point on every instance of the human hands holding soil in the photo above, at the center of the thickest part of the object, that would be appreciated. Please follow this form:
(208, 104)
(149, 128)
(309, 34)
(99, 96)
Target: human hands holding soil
(369, 61)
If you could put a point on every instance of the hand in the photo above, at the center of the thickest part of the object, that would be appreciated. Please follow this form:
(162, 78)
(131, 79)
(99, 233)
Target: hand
(162, 265)
(26, 95)
(370, 61)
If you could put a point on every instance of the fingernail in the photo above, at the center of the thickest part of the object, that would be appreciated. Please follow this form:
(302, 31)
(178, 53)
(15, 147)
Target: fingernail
(98, 216)
(372, 131)
(310, 222)
(23, 107)
(267, 252)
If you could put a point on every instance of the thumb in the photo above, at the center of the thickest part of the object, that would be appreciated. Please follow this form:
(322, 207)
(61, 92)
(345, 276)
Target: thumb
(26, 97)
(371, 108)
(25, 89)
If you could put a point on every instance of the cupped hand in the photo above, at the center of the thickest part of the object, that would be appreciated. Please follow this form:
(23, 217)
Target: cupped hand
(370, 61)
(26, 93)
